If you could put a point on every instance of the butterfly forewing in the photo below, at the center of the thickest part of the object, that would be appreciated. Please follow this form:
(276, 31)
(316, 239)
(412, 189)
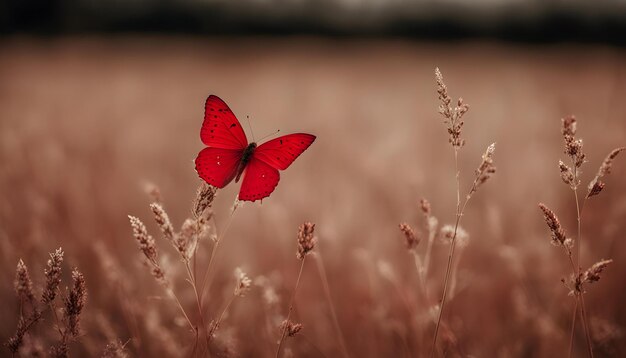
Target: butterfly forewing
(220, 128)
(282, 151)
(218, 166)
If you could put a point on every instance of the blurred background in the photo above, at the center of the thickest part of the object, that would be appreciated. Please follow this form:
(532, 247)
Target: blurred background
(99, 100)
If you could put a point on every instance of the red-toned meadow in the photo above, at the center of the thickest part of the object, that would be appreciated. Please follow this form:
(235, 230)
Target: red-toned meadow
(97, 143)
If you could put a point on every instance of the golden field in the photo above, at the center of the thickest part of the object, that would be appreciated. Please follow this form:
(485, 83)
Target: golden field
(87, 122)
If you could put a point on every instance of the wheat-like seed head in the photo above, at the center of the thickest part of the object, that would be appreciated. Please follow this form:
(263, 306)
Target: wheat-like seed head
(204, 199)
(411, 239)
(23, 284)
(74, 303)
(452, 117)
(306, 240)
(53, 277)
(556, 230)
(485, 170)
(596, 185)
(290, 328)
(592, 274)
(573, 146)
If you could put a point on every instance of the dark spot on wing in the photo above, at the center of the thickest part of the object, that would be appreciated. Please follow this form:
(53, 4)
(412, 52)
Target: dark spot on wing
(281, 141)
(233, 125)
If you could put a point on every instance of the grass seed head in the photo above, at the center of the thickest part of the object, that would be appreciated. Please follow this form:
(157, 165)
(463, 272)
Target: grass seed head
(306, 240)
(556, 230)
(23, 284)
(411, 239)
(596, 185)
(53, 277)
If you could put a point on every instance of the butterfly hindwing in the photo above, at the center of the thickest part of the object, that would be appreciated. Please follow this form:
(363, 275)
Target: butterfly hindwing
(220, 128)
(259, 181)
(282, 151)
(218, 166)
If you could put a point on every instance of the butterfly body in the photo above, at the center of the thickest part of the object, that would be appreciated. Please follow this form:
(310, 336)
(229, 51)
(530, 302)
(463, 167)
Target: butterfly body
(245, 159)
(229, 156)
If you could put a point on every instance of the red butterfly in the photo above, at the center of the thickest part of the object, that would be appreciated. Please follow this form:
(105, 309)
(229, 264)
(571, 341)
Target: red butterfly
(228, 154)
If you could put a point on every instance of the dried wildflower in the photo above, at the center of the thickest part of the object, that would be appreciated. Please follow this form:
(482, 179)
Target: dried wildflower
(186, 241)
(290, 328)
(23, 284)
(148, 248)
(567, 176)
(146, 242)
(74, 303)
(204, 199)
(243, 283)
(115, 349)
(412, 240)
(306, 241)
(53, 277)
(163, 220)
(593, 273)
(596, 185)
(448, 235)
(452, 116)
(556, 230)
(485, 170)
(573, 146)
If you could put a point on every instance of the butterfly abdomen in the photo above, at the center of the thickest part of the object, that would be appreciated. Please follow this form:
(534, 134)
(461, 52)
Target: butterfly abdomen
(245, 159)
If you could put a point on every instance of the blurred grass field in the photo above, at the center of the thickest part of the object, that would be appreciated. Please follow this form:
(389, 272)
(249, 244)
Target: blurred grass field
(85, 122)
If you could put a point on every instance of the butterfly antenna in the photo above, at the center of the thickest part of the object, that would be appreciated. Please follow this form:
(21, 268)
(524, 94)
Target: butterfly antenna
(271, 134)
(250, 126)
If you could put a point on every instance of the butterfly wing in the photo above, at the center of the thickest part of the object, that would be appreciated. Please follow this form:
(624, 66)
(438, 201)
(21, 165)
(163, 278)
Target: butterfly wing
(259, 181)
(282, 151)
(218, 166)
(220, 128)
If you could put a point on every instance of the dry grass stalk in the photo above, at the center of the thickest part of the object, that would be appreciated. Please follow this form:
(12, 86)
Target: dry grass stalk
(242, 286)
(73, 304)
(571, 177)
(306, 243)
(453, 120)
